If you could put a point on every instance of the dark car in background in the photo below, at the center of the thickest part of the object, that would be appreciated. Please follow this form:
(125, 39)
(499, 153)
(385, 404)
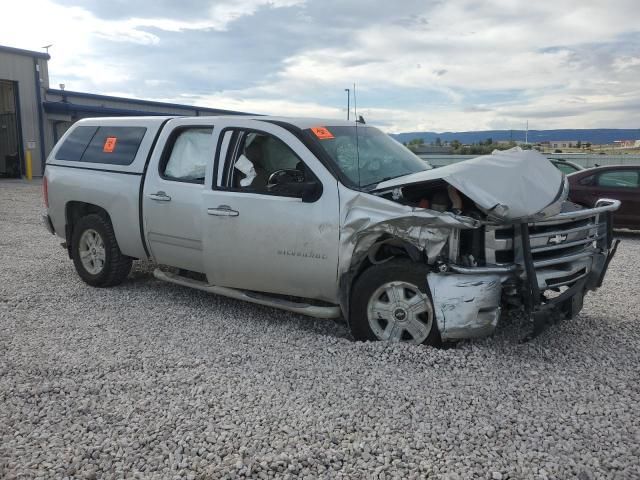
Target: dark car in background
(620, 182)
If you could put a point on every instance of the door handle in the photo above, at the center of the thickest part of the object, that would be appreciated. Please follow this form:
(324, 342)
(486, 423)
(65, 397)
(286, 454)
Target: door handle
(159, 197)
(223, 211)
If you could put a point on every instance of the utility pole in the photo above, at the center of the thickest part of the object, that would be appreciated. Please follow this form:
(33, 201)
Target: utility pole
(526, 134)
(355, 103)
(348, 98)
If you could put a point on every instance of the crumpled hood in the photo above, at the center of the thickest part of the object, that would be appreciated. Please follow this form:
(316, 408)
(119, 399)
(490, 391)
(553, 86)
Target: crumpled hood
(508, 185)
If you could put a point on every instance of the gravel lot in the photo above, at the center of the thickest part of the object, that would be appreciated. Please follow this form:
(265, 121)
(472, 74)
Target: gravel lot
(152, 380)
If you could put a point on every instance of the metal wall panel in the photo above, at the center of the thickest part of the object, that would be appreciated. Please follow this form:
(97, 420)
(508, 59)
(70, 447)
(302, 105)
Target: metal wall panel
(21, 69)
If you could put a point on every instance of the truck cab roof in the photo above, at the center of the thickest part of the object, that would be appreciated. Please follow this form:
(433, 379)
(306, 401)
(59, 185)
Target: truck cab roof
(300, 122)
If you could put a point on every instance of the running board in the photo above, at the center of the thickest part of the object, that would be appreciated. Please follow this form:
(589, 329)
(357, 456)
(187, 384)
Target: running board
(253, 297)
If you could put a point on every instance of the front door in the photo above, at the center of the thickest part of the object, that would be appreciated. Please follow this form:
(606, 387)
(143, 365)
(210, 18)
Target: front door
(172, 195)
(259, 236)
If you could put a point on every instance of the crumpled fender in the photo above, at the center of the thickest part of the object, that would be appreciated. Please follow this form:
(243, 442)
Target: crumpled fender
(366, 217)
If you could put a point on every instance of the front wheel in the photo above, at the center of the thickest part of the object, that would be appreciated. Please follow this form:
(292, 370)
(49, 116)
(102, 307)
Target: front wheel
(390, 302)
(96, 255)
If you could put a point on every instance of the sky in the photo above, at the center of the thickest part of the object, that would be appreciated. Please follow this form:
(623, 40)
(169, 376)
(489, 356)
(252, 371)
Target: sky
(429, 65)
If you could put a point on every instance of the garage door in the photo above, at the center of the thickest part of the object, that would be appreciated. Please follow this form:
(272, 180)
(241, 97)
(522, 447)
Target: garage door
(9, 143)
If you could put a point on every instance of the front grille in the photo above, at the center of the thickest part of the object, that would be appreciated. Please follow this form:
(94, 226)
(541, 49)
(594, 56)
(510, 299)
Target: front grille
(560, 253)
(559, 247)
(555, 242)
(541, 228)
(498, 245)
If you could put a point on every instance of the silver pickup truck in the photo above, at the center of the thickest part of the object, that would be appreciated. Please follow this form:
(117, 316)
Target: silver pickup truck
(328, 219)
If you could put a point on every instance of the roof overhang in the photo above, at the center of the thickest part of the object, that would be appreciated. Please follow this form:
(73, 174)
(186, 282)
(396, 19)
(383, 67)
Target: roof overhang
(25, 53)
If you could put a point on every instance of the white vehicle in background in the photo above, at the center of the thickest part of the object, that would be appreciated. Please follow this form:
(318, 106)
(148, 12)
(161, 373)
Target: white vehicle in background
(328, 219)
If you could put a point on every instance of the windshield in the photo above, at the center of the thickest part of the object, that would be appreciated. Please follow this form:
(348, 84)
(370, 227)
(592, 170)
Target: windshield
(378, 156)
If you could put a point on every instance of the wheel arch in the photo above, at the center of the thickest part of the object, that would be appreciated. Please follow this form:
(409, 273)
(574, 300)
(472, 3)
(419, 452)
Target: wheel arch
(74, 211)
(115, 266)
(399, 273)
(380, 250)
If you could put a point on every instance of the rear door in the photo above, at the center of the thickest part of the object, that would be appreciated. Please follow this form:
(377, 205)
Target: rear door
(260, 238)
(622, 184)
(583, 191)
(172, 195)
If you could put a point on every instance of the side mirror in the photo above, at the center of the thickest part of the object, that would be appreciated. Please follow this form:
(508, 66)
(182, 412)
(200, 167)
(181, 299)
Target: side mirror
(290, 181)
(311, 191)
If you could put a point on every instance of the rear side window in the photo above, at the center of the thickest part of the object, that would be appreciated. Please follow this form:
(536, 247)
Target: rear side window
(114, 145)
(619, 179)
(76, 143)
(109, 145)
(188, 152)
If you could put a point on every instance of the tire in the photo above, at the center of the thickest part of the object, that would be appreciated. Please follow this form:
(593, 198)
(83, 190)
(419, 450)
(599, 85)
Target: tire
(407, 317)
(95, 252)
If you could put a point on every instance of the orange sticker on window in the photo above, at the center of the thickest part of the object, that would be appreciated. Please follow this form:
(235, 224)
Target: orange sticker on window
(322, 133)
(109, 144)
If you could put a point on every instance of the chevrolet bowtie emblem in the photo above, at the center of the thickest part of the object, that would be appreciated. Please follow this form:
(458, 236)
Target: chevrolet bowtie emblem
(557, 239)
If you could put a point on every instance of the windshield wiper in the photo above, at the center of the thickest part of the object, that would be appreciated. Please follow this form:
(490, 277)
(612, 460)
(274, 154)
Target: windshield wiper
(380, 181)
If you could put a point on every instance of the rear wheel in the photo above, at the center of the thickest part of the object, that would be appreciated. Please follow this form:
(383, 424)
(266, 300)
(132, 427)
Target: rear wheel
(96, 255)
(390, 302)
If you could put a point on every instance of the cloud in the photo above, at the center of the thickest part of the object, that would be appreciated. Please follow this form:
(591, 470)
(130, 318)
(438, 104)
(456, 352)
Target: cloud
(176, 16)
(434, 65)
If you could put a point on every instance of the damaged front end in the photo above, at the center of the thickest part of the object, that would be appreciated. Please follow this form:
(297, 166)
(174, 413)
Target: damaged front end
(561, 259)
(496, 232)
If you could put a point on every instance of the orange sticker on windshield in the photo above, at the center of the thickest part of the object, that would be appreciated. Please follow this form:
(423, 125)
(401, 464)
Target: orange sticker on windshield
(322, 133)
(109, 144)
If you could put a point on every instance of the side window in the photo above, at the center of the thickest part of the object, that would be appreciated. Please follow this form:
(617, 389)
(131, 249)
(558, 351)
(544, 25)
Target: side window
(587, 181)
(187, 154)
(262, 163)
(114, 145)
(619, 179)
(108, 145)
(76, 143)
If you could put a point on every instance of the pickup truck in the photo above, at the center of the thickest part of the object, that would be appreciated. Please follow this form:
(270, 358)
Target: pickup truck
(326, 218)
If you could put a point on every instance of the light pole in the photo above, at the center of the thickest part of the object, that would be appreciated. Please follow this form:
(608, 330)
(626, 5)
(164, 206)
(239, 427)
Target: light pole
(348, 90)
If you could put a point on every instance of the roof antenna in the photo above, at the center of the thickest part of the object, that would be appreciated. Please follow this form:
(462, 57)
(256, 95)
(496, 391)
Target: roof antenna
(355, 115)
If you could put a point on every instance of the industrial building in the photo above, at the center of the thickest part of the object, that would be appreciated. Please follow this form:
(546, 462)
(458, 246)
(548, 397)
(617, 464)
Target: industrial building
(34, 116)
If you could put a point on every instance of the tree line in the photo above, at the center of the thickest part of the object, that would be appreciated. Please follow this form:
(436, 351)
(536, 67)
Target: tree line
(480, 148)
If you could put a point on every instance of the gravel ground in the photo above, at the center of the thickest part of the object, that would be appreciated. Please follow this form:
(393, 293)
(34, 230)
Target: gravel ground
(152, 380)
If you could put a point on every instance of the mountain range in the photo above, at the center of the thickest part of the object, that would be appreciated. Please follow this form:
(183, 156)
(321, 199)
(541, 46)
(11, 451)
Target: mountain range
(594, 136)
